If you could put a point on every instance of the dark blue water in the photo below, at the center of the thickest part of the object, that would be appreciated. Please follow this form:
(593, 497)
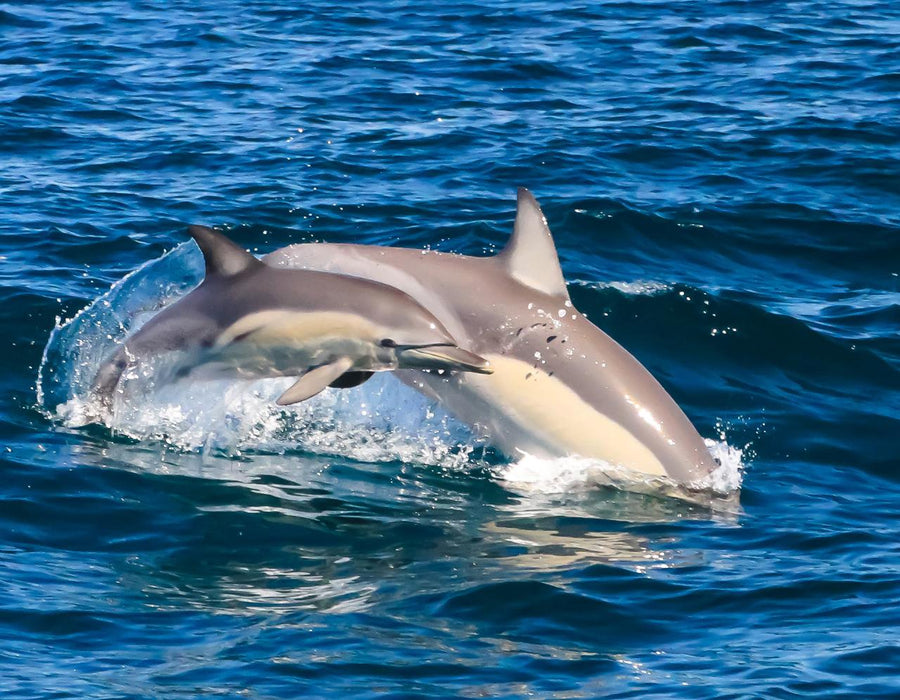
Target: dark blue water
(723, 181)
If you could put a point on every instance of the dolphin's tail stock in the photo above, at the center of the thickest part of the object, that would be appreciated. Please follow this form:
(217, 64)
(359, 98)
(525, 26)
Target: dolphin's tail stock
(107, 378)
(170, 330)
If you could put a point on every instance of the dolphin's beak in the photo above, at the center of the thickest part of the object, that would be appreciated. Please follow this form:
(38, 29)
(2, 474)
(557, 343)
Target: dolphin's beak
(448, 357)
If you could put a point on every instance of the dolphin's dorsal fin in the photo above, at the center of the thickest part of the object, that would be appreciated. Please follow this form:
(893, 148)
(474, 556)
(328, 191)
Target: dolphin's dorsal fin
(222, 256)
(530, 256)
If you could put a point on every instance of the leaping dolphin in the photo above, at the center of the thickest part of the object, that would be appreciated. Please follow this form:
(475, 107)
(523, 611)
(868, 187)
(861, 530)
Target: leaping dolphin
(560, 385)
(253, 320)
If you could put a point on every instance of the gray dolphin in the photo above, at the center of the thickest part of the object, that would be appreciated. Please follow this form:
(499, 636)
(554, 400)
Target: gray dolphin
(560, 385)
(252, 320)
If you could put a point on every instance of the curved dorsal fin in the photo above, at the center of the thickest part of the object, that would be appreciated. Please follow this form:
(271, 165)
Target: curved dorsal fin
(222, 256)
(530, 256)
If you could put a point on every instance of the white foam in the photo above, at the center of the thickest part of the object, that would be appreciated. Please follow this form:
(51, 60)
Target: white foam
(727, 477)
(531, 474)
(379, 421)
(633, 288)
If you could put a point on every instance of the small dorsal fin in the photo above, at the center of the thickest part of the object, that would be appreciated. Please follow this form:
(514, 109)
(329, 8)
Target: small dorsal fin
(222, 256)
(530, 256)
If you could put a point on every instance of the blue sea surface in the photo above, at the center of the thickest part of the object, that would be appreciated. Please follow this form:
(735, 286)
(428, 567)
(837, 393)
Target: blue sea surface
(723, 182)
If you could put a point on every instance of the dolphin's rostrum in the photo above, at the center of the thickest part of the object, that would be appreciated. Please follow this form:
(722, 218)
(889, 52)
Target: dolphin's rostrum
(248, 319)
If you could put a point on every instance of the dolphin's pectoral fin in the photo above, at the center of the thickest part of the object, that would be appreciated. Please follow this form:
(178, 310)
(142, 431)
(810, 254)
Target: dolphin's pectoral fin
(530, 256)
(314, 381)
(348, 380)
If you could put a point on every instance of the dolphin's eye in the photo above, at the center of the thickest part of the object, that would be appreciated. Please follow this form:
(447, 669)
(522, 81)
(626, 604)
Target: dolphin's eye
(388, 343)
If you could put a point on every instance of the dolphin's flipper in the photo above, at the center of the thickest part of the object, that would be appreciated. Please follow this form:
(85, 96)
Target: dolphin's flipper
(222, 256)
(348, 380)
(314, 381)
(530, 256)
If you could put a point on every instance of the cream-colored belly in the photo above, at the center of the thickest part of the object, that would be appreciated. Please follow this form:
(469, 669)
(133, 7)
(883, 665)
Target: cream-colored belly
(282, 342)
(525, 407)
(279, 326)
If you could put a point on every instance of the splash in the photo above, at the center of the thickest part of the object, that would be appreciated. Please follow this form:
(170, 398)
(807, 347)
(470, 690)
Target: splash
(381, 420)
(567, 474)
(79, 345)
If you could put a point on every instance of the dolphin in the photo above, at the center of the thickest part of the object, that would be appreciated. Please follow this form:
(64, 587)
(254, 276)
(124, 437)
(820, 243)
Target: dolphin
(251, 320)
(560, 386)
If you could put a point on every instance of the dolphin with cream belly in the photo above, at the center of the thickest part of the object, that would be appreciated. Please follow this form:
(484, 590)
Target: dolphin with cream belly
(560, 386)
(251, 320)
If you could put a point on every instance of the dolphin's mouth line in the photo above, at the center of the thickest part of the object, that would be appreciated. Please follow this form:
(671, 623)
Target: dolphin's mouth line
(403, 348)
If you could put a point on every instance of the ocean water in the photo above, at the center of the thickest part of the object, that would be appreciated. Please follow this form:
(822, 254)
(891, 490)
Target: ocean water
(723, 181)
